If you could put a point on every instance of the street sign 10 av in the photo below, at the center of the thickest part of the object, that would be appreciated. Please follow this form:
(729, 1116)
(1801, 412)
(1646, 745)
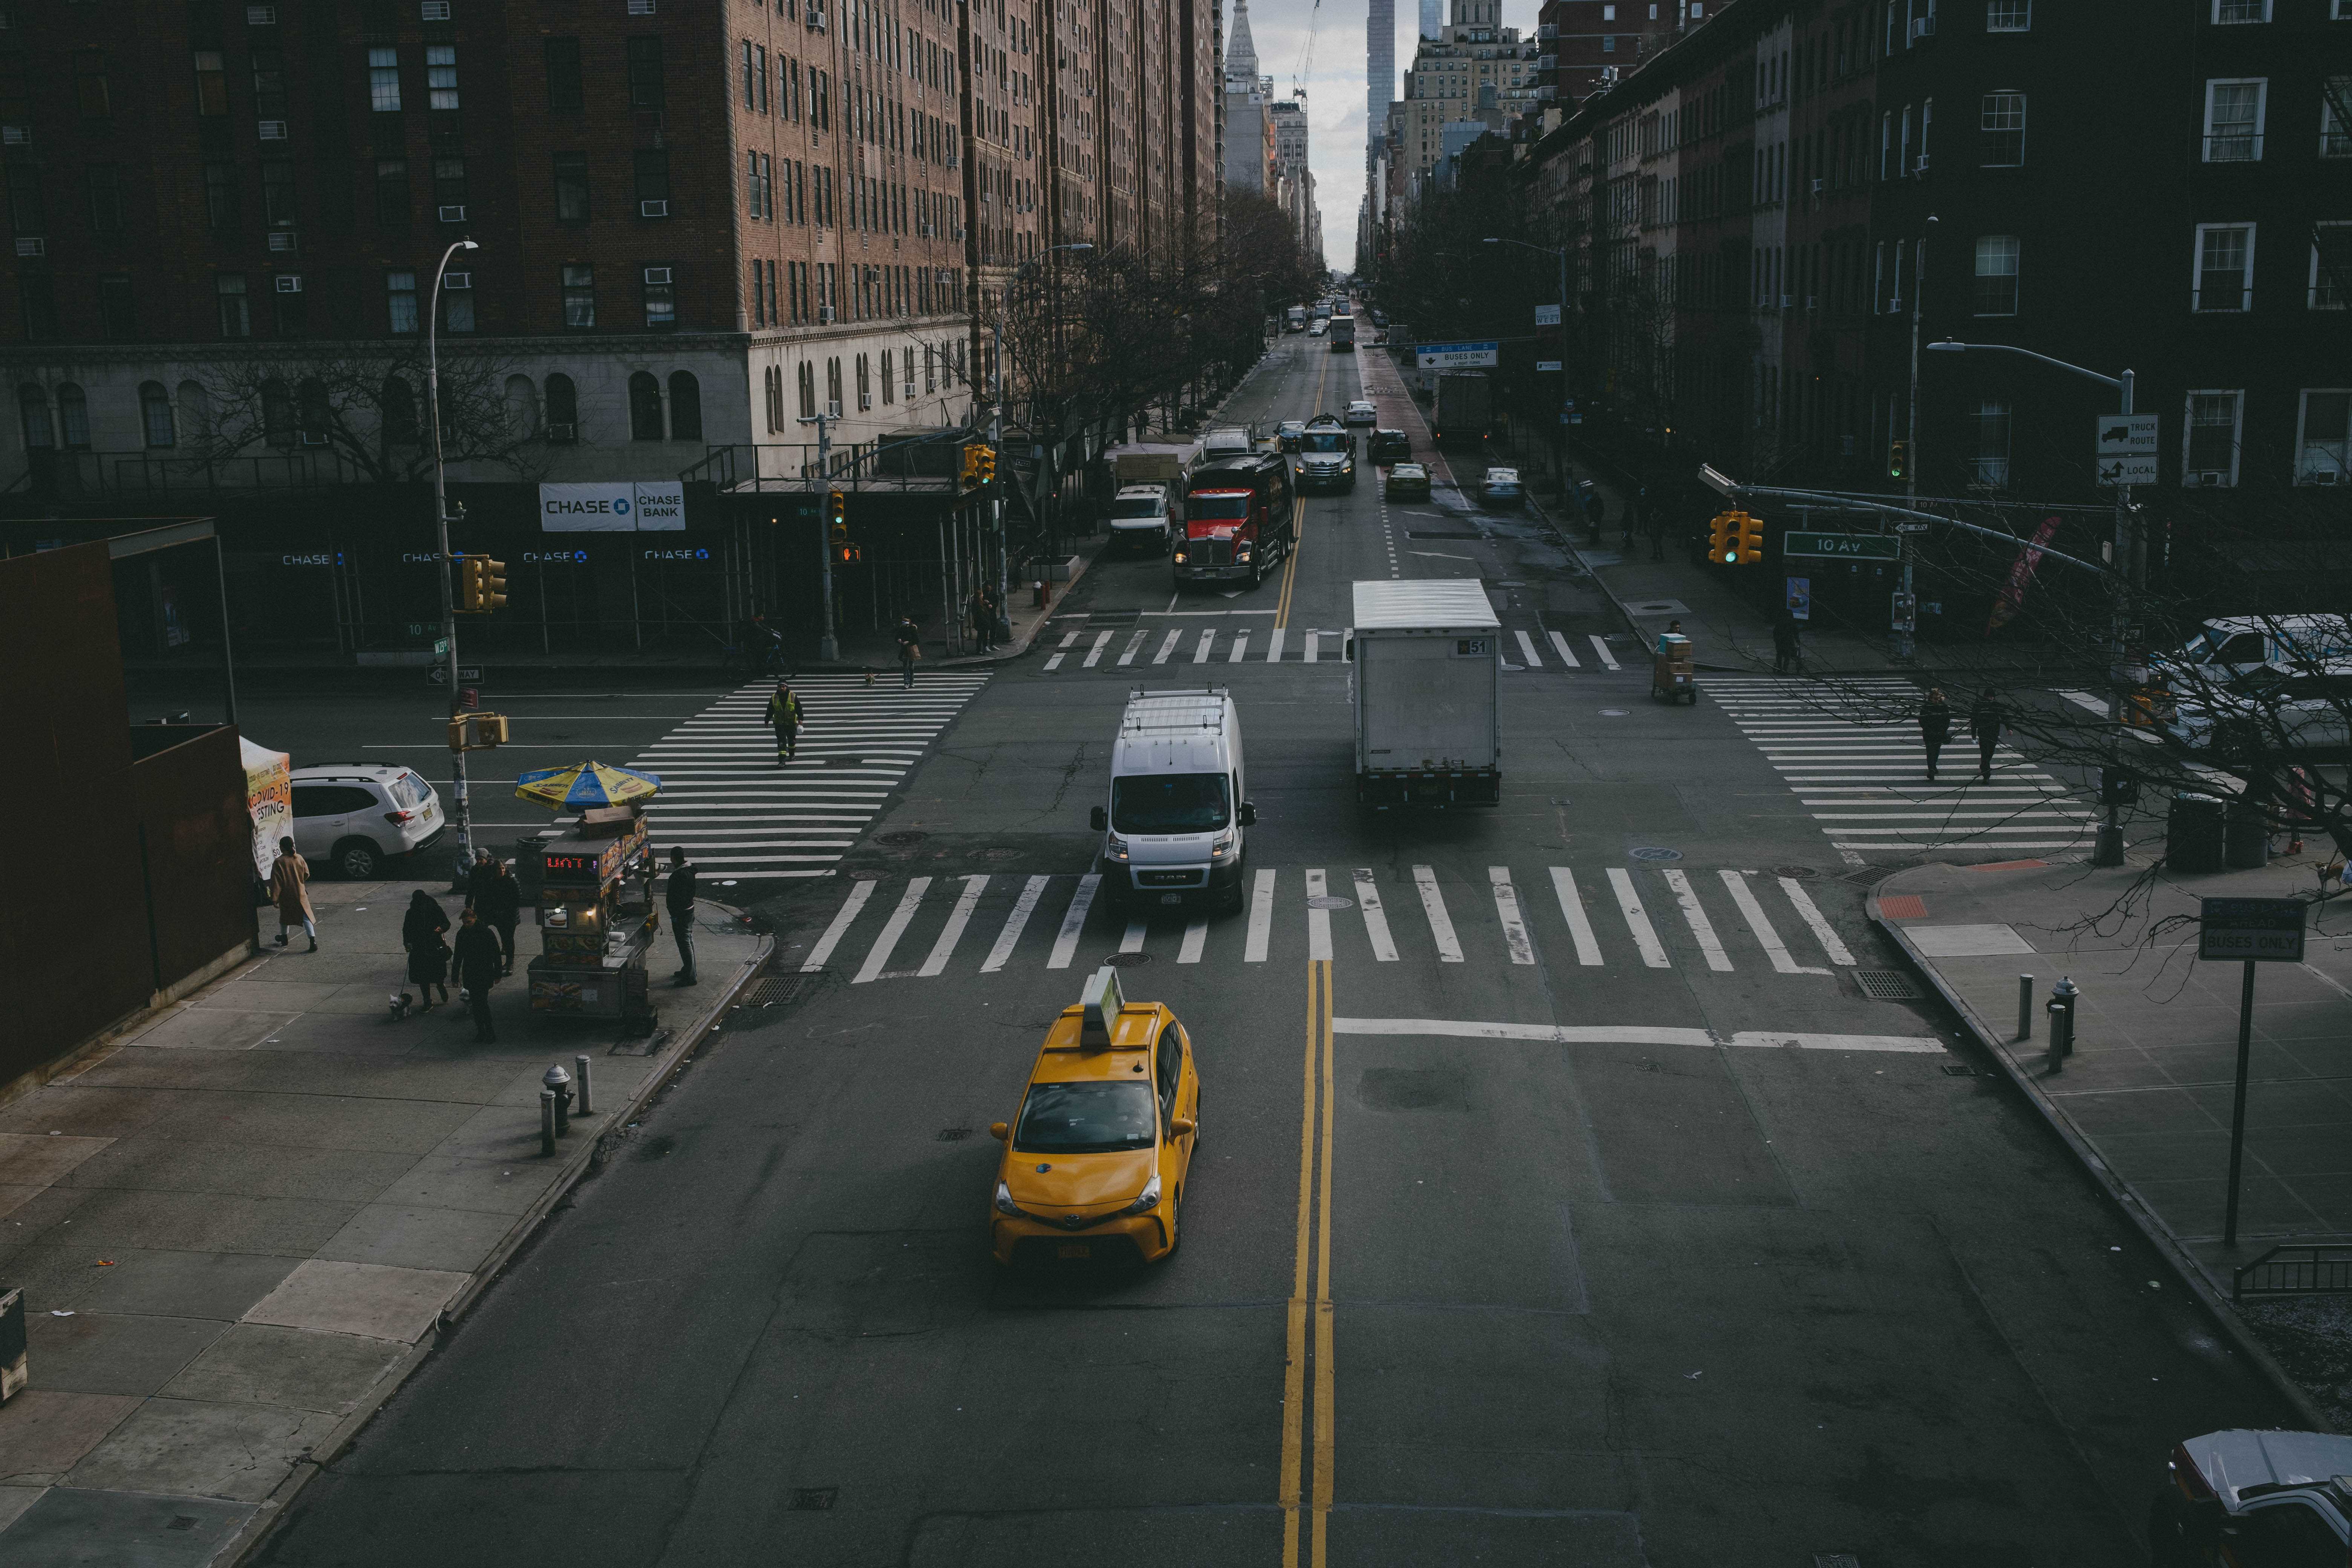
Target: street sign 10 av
(1841, 546)
(2250, 931)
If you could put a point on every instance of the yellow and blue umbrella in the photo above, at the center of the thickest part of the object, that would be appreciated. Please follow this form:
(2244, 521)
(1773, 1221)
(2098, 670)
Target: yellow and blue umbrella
(586, 784)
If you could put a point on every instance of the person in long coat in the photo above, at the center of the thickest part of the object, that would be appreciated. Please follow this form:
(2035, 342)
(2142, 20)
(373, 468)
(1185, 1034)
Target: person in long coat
(1935, 726)
(421, 931)
(1984, 724)
(289, 889)
(479, 968)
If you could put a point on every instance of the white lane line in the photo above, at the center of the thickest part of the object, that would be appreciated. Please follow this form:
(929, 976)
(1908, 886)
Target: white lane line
(1506, 909)
(1528, 646)
(1055, 662)
(1260, 920)
(1126, 654)
(1069, 639)
(892, 930)
(1006, 940)
(1273, 646)
(1196, 937)
(1241, 647)
(952, 933)
(1702, 928)
(1440, 924)
(1314, 643)
(1654, 951)
(1560, 645)
(1607, 659)
(1634, 1034)
(1065, 940)
(1168, 645)
(1200, 653)
(1735, 884)
(858, 893)
(1137, 929)
(1094, 654)
(1802, 902)
(1571, 908)
(1376, 916)
(1319, 922)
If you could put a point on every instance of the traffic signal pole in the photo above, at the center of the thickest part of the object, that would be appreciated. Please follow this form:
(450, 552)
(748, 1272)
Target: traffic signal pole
(828, 646)
(462, 812)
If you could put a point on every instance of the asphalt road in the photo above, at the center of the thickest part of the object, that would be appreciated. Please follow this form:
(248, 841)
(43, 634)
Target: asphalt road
(1581, 1208)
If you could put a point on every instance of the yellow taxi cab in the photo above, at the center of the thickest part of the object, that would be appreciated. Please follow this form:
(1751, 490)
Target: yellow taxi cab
(1094, 1166)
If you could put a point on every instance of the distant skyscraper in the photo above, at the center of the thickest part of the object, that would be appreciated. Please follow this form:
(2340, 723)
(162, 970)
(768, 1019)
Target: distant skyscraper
(1380, 75)
(1432, 18)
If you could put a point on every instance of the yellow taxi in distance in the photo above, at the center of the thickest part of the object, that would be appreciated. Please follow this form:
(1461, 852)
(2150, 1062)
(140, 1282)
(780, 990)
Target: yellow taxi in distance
(1094, 1167)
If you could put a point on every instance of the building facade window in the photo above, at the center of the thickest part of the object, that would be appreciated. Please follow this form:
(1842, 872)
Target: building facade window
(644, 78)
(2322, 439)
(2003, 123)
(832, 386)
(563, 88)
(105, 183)
(2234, 121)
(278, 422)
(398, 402)
(92, 100)
(33, 407)
(384, 80)
(2331, 266)
(1989, 461)
(806, 382)
(458, 302)
(449, 189)
(1996, 286)
(2225, 268)
(571, 187)
(220, 195)
(652, 166)
(2335, 106)
(865, 387)
(73, 417)
(278, 192)
(2229, 12)
(660, 284)
(563, 410)
(441, 78)
(645, 408)
(117, 311)
(155, 422)
(212, 83)
(400, 297)
(888, 393)
(391, 204)
(2210, 441)
(2009, 15)
(578, 281)
(684, 407)
(236, 310)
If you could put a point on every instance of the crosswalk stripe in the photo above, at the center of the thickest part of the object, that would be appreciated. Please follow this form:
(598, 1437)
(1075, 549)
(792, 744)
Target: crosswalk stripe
(1559, 646)
(1440, 924)
(1065, 940)
(1811, 915)
(1637, 919)
(1571, 908)
(1261, 918)
(1127, 655)
(952, 933)
(1376, 916)
(1694, 916)
(1138, 927)
(1528, 645)
(1201, 654)
(1168, 645)
(1094, 654)
(1735, 884)
(892, 930)
(1241, 647)
(1006, 940)
(1196, 938)
(1607, 659)
(1507, 910)
(858, 893)
(1318, 920)
(1273, 646)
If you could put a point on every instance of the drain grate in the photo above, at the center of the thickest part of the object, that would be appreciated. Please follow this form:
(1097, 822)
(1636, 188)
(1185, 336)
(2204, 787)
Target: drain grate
(1796, 873)
(1886, 986)
(1330, 902)
(954, 1134)
(1126, 960)
(1959, 1069)
(814, 1499)
(1655, 854)
(901, 839)
(777, 990)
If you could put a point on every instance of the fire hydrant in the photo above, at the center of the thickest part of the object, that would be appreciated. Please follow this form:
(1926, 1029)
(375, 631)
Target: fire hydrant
(2061, 1008)
(558, 1083)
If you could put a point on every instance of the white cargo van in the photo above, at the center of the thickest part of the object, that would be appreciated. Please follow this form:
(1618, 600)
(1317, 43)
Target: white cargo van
(1175, 830)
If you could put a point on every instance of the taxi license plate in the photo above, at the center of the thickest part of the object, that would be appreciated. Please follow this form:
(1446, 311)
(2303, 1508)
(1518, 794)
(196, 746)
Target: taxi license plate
(1074, 1249)
(1171, 898)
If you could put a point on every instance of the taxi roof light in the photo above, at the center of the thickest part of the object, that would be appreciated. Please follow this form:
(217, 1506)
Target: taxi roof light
(1099, 1004)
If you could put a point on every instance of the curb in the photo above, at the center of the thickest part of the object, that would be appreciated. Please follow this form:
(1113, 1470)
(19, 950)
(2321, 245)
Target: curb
(2118, 1191)
(272, 1511)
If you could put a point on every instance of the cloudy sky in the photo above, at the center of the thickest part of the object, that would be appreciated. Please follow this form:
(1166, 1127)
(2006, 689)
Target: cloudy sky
(1334, 77)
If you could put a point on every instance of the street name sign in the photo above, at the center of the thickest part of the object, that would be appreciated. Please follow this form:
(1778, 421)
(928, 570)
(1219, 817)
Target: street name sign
(2123, 448)
(1841, 546)
(1547, 365)
(1456, 356)
(2250, 931)
(1547, 315)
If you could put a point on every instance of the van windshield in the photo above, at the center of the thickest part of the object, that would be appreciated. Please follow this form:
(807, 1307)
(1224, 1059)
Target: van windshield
(1136, 506)
(1170, 803)
(1215, 507)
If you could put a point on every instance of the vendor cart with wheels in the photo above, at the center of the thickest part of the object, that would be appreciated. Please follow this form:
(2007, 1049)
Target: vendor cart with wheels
(1670, 670)
(597, 914)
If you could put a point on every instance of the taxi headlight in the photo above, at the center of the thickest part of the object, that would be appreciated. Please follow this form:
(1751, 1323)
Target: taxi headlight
(1005, 1204)
(1148, 1199)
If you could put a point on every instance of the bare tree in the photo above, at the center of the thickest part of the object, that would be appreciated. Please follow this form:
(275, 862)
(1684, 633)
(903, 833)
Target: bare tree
(365, 405)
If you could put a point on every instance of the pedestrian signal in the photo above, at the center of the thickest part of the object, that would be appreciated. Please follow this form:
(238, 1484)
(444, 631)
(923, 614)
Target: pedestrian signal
(481, 585)
(1748, 542)
(1898, 459)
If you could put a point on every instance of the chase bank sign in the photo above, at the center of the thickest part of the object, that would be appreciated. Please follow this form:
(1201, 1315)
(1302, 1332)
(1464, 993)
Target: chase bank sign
(626, 506)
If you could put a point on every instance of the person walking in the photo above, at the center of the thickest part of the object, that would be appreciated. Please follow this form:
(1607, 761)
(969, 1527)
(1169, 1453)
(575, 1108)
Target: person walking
(984, 618)
(910, 648)
(785, 718)
(477, 877)
(478, 969)
(1984, 723)
(1596, 511)
(1787, 658)
(680, 898)
(421, 930)
(499, 903)
(289, 889)
(1935, 726)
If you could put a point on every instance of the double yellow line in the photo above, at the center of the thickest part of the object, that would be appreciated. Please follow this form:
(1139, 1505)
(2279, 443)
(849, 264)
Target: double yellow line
(1298, 523)
(1307, 1477)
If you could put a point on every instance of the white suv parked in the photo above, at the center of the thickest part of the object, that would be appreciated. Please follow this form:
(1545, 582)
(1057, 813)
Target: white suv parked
(355, 816)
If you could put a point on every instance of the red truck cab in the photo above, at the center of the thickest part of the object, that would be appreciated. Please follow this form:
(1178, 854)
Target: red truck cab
(1239, 521)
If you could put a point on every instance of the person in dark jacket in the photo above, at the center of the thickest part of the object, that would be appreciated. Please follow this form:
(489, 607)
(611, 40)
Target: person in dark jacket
(478, 971)
(680, 894)
(910, 638)
(1935, 726)
(1787, 656)
(1984, 723)
(421, 931)
(499, 900)
(477, 877)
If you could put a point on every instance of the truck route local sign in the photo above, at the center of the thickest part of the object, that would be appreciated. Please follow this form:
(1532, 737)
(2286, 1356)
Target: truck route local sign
(2250, 931)
(1841, 546)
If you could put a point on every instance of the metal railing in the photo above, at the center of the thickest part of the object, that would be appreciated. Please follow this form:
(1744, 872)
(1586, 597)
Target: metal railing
(150, 471)
(2302, 1269)
(926, 462)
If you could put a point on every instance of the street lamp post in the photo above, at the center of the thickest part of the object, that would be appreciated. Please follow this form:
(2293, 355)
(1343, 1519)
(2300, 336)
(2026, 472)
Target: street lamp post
(2130, 565)
(1560, 426)
(449, 563)
(828, 645)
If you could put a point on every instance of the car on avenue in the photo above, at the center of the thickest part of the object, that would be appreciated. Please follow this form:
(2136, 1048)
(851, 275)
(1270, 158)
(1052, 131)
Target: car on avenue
(1361, 412)
(1501, 486)
(2250, 1499)
(1139, 517)
(1319, 328)
(1407, 481)
(358, 817)
(1096, 1159)
(1288, 432)
(1391, 447)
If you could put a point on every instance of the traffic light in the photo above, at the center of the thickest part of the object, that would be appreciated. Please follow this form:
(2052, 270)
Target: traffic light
(1722, 543)
(970, 478)
(1748, 540)
(476, 731)
(837, 514)
(1898, 459)
(986, 458)
(481, 585)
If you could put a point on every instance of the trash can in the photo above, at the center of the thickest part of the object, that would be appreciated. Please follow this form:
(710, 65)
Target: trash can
(2193, 832)
(2245, 836)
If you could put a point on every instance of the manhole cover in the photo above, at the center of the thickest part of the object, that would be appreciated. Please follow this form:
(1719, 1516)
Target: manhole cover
(900, 840)
(1000, 854)
(1126, 960)
(1614, 713)
(868, 876)
(1657, 854)
(777, 990)
(1886, 986)
(1330, 902)
(1798, 873)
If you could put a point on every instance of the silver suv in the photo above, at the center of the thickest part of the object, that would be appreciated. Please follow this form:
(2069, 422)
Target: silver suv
(1138, 517)
(355, 816)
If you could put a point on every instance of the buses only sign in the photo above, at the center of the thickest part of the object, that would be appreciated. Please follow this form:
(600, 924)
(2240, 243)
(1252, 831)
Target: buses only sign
(2250, 931)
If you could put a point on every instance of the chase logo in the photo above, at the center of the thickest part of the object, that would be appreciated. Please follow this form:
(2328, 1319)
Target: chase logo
(621, 506)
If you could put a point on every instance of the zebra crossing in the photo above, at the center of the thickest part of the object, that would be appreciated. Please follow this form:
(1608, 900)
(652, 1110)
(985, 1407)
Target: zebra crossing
(1850, 749)
(741, 818)
(1125, 647)
(1631, 918)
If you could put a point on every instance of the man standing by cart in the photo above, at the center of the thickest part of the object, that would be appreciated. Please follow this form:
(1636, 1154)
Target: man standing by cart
(478, 967)
(785, 718)
(682, 878)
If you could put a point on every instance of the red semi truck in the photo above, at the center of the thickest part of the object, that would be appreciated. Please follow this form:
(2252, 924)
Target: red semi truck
(1240, 519)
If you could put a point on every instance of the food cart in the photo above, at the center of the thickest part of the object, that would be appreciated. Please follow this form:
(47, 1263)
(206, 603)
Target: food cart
(1671, 669)
(597, 913)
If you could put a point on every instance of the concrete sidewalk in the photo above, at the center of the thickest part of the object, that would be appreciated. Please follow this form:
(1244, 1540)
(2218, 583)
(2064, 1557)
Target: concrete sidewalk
(238, 1226)
(2145, 1098)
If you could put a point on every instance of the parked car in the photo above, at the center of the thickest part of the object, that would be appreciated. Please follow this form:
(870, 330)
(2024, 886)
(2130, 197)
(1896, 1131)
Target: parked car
(1138, 518)
(1391, 447)
(1288, 432)
(1361, 412)
(1501, 488)
(356, 816)
(1407, 481)
(1379, 317)
(2254, 1500)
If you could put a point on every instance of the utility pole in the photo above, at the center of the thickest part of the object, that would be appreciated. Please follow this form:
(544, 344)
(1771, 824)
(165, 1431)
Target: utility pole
(828, 646)
(1902, 637)
(449, 563)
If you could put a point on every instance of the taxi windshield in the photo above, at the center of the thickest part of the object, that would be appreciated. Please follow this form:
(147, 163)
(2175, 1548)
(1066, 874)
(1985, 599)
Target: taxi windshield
(1169, 803)
(1093, 1118)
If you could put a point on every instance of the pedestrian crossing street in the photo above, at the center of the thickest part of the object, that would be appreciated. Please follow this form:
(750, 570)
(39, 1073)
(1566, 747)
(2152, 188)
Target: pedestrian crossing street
(1620, 917)
(743, 819)
(1851, 750)
(1129, 648)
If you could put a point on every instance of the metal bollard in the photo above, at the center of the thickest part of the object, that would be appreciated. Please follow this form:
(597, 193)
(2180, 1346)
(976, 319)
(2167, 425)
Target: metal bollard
(580, 1072)
(2025, 1006)
(2060, 1007)
(547, 1122)
(558, 1083)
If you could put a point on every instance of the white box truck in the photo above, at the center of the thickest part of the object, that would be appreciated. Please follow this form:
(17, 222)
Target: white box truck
(1423, 661)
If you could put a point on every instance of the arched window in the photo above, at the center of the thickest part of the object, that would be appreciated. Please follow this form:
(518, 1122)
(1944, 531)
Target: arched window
(399, 402)
(276, 413)
(40, 434)
(645, 408)
(73, 417)
(563, 409)
(808, 389)
(154, 416)
(195, 409)
(522, 406)
(684, 407)
(316, 417)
